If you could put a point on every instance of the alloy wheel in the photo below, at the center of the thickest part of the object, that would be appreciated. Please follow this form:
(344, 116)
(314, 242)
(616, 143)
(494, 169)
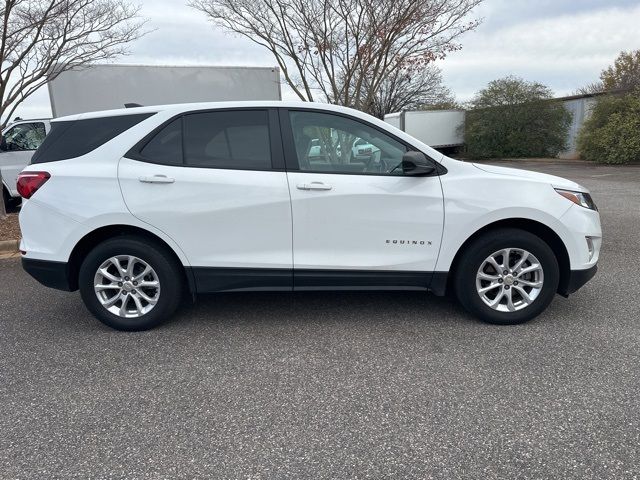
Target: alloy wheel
(127, 286)
(509, 280)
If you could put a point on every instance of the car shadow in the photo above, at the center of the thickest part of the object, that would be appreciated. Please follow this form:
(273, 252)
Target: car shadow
(321, 307)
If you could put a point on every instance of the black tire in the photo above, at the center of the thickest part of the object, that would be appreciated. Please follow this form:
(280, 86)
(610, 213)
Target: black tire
(473, 258)
(10, 203)
(169, 273)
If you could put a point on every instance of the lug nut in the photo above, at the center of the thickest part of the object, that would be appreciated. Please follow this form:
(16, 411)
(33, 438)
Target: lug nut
(135, 283)
(515, 283)
(119, 284)
(507, 287)
(126, 279)
(506, 272)
(500, 280)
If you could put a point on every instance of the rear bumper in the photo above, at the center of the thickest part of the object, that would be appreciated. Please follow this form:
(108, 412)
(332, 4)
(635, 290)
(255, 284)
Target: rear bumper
(575, 280)
(48, 273)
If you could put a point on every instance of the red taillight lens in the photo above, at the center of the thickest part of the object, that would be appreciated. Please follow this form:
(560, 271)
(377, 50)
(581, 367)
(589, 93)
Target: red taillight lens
(29, 182)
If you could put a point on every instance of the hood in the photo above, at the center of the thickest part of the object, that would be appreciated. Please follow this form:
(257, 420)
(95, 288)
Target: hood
(535, 176)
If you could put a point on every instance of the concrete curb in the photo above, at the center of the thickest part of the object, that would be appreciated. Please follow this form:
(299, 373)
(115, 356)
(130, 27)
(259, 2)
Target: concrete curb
(9, 246)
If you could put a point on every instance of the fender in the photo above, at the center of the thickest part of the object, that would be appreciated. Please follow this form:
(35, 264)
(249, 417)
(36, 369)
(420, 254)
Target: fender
(455, 232)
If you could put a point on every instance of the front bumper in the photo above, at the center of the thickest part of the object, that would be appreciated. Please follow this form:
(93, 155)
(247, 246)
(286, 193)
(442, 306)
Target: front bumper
(575, 280)
(48, 273)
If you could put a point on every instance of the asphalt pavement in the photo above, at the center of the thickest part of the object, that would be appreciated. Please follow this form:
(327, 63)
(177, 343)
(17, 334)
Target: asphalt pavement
(333, 385)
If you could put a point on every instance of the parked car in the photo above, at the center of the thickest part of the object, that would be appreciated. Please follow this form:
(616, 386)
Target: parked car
(221, 197)
(19, 141)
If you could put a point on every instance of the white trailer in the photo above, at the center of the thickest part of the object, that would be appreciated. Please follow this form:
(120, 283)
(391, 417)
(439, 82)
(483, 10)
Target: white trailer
(436, 128)
(105, 87)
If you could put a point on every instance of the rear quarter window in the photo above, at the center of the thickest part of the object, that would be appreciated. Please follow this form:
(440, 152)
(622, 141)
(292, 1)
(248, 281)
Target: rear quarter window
(78, 137)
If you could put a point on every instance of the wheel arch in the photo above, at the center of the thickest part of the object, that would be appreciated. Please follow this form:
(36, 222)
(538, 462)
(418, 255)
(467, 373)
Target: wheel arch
(93, 238)
(544, 232)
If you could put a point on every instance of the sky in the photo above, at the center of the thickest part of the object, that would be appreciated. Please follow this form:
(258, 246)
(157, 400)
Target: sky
(563, 44)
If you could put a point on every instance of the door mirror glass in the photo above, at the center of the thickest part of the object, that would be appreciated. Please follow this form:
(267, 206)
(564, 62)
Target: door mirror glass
(416, 164)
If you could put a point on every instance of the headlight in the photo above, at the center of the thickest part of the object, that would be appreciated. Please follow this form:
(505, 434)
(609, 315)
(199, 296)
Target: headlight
(579, 198)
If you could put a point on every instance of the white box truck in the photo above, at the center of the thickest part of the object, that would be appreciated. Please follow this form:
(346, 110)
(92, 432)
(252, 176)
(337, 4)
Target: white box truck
(436, 128)
(105, 87)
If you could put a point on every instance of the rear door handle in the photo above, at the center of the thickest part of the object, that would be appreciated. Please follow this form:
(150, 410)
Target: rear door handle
(313, 186)
(156, 179)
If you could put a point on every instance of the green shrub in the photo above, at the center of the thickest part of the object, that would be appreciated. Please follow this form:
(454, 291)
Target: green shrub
(612, 132)
(515, 118)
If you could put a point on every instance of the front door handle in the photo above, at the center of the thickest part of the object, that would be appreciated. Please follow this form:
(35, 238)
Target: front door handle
(313, 186)
(156, 179)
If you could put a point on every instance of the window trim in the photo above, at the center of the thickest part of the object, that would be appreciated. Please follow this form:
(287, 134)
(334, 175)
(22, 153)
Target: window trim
(291, 156)
(276, 148)
(44, 126)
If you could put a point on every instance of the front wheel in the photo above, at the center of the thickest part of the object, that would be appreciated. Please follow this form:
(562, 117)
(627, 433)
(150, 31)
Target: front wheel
(507, 276)
(130, 284)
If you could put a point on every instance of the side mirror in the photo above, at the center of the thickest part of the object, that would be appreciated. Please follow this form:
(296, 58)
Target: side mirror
(416, 164)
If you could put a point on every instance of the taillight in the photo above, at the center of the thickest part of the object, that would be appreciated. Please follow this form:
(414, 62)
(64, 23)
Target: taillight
(29, 182)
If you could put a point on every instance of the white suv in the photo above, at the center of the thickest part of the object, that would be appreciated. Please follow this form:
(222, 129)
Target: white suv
(134, 206)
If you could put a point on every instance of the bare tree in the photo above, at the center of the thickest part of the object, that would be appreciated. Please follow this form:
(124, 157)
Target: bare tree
(591, 88)
(622, 76)
(342, 51)
(410, 89)
(42, 38)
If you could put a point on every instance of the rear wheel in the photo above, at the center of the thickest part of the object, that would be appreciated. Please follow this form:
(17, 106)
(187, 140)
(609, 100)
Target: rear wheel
(507, 276)
(130, 284)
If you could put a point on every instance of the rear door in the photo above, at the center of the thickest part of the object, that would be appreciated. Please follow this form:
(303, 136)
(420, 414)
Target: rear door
(215, 183)
(358, 221)
(18, 145)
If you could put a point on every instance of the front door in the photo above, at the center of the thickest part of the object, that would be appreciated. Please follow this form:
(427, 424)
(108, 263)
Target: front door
(358, 221)
(208, 181)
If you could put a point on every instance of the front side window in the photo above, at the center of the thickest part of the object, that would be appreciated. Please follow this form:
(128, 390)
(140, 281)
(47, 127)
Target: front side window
(25, 136)
(335, 144)
(227, 139)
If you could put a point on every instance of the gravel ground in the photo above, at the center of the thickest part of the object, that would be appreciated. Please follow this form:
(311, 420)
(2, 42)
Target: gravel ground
(9, 227)
(369, 385)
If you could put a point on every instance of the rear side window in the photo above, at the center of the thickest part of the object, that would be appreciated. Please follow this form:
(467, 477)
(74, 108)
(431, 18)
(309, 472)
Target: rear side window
(166, 146)
(78, 137)
(227, 139)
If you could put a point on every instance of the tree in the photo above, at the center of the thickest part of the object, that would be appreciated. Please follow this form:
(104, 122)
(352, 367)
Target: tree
(42, 38)
(343, 51)
(624, 74)
(590, 89)
(515, 118)
(406, 89)
(612, 133)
